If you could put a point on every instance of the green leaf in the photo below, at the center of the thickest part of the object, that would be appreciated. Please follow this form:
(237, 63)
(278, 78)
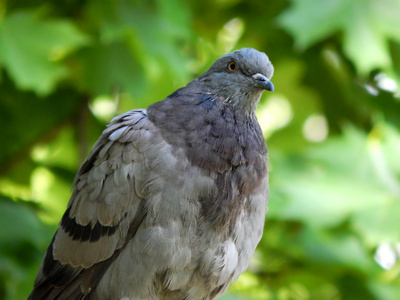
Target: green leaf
(22, 241)
(111, 68)
(383, 290)
(336, 249)
(365, 43)
(157, 34)
(29, 118)
(366, 26)
(22, 225)
(31, 50)
(328, 187)
(310, 21)
(380, 223)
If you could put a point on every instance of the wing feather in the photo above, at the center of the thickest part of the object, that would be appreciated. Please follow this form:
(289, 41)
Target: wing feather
(104, 212)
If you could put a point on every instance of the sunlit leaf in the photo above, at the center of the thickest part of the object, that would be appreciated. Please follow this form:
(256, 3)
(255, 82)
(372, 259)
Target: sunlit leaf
(367, 26)
(31, 49)
(379, 224)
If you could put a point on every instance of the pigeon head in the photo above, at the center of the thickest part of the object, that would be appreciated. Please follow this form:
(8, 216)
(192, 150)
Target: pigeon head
(240, 77)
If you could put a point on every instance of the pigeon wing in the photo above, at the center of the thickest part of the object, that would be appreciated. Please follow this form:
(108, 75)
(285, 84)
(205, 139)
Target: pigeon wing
(105, 210)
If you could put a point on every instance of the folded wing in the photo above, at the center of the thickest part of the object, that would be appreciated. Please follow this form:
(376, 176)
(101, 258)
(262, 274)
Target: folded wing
(105, 210)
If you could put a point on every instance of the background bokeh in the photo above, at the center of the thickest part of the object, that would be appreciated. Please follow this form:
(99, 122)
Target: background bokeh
(332, 126)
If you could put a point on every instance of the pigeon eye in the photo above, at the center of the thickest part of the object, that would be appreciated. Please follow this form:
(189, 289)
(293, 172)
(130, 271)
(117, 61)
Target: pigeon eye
(232, 66)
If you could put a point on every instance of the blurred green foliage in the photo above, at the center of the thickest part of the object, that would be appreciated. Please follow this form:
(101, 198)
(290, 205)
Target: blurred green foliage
(332, 126)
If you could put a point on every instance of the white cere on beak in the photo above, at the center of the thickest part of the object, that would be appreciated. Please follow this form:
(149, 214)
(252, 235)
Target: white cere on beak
(260, 77)
(264, 82)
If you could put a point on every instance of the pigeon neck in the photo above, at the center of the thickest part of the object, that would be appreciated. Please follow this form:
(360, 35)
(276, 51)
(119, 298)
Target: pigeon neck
(214, 134)
(245, 101)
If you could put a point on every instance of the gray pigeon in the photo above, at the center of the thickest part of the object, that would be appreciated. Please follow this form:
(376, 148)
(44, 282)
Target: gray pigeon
(170, 204)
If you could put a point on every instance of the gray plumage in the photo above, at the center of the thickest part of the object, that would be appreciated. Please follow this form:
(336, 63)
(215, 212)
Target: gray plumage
(170, 203)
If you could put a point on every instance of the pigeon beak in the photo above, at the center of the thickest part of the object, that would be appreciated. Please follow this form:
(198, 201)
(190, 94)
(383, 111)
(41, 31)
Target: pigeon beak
(263, 82)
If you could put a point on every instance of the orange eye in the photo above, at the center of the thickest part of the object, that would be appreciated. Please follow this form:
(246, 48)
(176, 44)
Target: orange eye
(232, 66)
